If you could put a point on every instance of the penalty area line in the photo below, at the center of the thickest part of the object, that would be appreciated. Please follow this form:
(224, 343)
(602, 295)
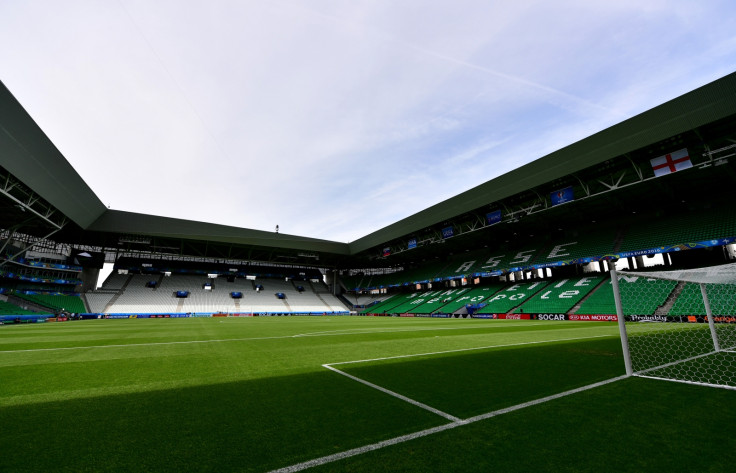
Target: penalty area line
(396, 395)
(414, 402)
(488, 347)
(423, 433)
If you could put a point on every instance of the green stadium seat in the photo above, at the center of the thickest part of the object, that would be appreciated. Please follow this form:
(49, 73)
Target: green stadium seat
(511, 296)
(560, 296)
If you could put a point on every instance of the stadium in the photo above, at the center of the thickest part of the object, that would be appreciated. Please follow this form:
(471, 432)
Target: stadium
(484, 332)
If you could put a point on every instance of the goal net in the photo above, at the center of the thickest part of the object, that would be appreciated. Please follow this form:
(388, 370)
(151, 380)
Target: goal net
(680, 325)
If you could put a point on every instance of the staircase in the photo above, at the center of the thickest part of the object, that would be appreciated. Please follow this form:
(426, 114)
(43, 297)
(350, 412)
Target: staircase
(514, 309)
(664, 309)
(160, 280)
(288, 307)
(119, 293)
(323, 290)
(577, 306)
(85, 302)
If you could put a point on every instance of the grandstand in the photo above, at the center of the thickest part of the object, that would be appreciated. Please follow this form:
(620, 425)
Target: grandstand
(510, 248)
(56, 302)
(514, 238)
(135, 293)
(511, 297)
(560, 296)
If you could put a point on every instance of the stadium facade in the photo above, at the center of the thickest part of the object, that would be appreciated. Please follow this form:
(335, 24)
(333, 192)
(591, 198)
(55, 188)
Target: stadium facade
(660, 183)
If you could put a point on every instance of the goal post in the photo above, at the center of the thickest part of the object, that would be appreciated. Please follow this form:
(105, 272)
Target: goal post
(679, 325)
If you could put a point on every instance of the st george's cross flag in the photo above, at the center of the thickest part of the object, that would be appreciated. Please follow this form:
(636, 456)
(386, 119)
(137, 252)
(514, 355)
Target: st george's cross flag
(669, 163)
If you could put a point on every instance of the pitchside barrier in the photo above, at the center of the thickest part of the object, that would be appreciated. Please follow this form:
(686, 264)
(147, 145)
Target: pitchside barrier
(689, 335)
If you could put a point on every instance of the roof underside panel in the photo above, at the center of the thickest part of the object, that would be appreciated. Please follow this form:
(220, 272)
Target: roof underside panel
(115, 221)
(28, 154)
(706, 104)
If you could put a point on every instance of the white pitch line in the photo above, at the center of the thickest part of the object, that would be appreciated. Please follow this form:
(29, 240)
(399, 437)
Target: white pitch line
(412, 329)
(414, 402)
(183, 342)
(423, 433)
(696, 383)
(124, 345)
(396, 395)
(469, 349)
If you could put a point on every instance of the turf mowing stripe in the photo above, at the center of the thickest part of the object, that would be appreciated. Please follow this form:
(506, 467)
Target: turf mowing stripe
(396, 395)
(466, 349)
(250, 339)
(144, 344)
(412, 329)
(423, 433)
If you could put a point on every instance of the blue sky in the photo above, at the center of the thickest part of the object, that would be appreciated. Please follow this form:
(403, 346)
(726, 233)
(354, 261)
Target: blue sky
(334, 119)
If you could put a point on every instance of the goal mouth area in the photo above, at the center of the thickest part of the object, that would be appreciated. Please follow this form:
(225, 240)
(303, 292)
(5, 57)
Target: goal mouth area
(679, 325)
(698, 369)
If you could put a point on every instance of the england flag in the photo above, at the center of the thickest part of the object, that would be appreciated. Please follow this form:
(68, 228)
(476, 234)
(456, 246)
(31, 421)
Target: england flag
(672, 162)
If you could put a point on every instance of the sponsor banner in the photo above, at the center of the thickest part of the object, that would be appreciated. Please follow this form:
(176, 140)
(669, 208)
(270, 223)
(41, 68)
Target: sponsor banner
(650, 318)
(406, 315)
(493, 217)
(421, 315)
(448, 232)
(561, 196)
(439, 316)
(673, 248)
(593, 318)
(483, 316)
(412, 244)
(513, 316)
(487, 274)
(693, 319)
(387, 251)
(12, 319)
(116, 316)
(219, 314)
(548, 316)
(623, 254)
(703, 319)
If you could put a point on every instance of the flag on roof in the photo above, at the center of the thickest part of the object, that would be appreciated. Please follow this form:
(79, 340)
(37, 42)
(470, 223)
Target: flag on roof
(672, 162)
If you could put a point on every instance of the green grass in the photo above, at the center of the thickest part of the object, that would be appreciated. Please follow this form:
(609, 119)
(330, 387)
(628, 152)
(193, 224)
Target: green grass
(251, 394)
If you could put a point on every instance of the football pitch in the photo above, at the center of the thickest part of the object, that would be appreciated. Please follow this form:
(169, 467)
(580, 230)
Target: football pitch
(345, 394)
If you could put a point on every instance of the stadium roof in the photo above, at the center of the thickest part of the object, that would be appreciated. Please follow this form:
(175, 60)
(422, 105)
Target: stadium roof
(706, 104)
(28, 155)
